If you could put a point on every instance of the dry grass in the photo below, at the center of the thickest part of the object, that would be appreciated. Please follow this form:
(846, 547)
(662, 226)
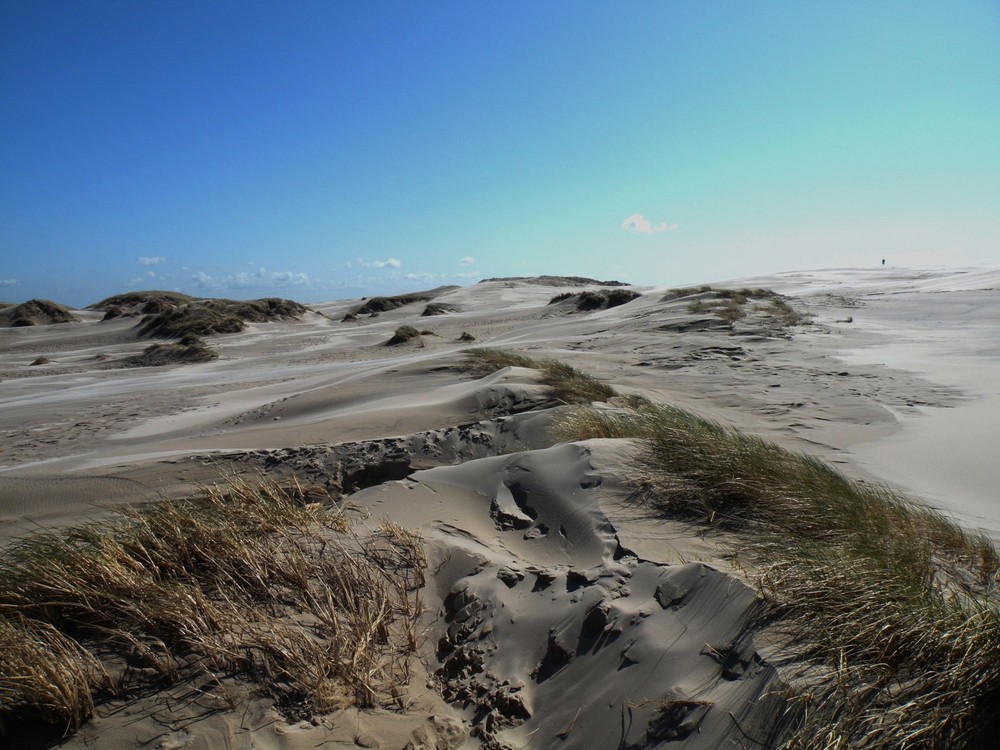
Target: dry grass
(244, 580)
(730, 305)
(485, 361)
(566, 383)
(889, 610)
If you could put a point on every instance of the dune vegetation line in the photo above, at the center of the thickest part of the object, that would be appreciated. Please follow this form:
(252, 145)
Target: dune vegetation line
(245, 581)
(885, 611)
(565, 383)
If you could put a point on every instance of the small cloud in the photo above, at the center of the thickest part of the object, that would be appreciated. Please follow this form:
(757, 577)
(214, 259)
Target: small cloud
(640, 224)
(468, 260)
(9, 282)
(387, 263)
(154, 261)
(259, 279)
(425, 276)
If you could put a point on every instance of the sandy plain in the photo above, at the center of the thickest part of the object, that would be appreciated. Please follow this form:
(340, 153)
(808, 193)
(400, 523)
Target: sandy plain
(538, 555)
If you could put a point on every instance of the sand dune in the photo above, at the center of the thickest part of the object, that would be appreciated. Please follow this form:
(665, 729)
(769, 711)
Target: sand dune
(558, 614)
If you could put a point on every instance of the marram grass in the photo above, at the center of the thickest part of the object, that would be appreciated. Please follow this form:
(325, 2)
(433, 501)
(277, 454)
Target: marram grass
(886, 610)
(245, 580)
(565, 383)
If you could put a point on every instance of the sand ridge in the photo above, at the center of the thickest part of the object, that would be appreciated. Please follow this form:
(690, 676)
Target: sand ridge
(544, 576)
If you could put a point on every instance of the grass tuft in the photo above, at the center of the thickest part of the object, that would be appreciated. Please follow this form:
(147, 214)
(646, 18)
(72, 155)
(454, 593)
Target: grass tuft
(566, 383)
(245, 580)
(889, 609)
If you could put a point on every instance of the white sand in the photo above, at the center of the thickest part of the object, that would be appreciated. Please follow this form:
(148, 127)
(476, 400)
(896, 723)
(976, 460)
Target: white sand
(559, 613)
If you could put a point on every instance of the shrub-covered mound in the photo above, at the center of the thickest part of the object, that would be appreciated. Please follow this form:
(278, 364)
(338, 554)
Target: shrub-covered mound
(600, 300)
(36, 312)
(188, 350)
(175, 315)
(376, 305)
(209, 316)
(402, 335)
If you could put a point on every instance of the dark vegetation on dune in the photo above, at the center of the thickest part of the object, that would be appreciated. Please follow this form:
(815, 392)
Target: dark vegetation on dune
(210, 316)
(188, 350)
(436, 308)
(175, 315)
(134, 302)
(601, 299)
(375, 305)
(37, 312)
(402, 335)
(555, 281)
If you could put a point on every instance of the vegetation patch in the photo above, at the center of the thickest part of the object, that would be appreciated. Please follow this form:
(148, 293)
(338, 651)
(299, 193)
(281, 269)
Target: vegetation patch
(785, 313)
(887, 610)
(246, 581)
(683, 292)
(436, 308)
(402, 335)
(730, 305)
(375, 305)
(566, 383)
(206, 317)
(602, 299)
(136, 302)
(189, 349)
(36, 312)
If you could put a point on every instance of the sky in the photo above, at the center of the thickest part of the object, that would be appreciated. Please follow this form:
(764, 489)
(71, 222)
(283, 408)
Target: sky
(327, 150)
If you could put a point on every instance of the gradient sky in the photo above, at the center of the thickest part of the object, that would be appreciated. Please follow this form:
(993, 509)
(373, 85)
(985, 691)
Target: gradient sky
(322, 150)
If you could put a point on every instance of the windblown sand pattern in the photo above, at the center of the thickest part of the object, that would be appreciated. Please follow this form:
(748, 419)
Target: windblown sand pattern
(564, 590)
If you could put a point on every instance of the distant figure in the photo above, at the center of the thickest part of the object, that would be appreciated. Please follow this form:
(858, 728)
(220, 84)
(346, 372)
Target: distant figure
(883, 261)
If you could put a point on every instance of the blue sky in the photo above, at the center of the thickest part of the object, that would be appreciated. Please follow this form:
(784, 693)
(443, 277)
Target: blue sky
(321, 150)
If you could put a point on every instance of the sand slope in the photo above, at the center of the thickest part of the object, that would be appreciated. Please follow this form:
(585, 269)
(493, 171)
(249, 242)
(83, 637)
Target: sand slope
(558, 615)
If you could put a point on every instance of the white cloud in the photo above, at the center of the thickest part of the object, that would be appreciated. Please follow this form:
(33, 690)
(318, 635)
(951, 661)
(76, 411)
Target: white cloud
(259, 279)
(640, 224)
(387, 263)
(468, 260)
(424, 276)
(9, 282)
(154, 261)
